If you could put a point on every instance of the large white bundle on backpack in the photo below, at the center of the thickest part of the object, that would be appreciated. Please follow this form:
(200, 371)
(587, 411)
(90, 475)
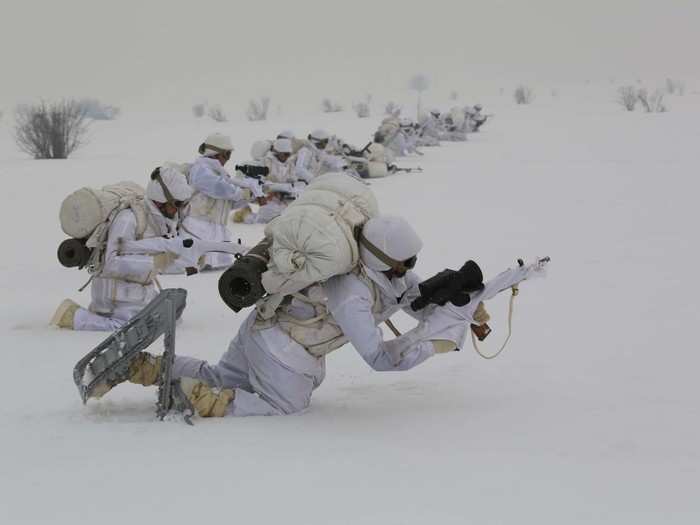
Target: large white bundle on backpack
(85, 209)
(314, 238)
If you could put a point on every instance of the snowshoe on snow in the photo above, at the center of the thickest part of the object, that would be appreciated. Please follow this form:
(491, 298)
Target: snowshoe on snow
(108, 364)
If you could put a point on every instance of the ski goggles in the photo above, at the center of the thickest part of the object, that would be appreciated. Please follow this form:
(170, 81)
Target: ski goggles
(410, 263)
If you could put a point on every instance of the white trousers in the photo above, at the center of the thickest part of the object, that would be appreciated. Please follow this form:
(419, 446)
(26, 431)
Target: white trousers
(87, 320)
(267, 381)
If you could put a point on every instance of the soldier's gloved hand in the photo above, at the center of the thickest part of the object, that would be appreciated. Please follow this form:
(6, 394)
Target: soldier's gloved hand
(538, 267)
(162, 260)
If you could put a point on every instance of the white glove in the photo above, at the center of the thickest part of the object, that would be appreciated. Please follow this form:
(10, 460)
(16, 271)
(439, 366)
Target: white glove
(250, 184)
(162, 260)
(537, 268)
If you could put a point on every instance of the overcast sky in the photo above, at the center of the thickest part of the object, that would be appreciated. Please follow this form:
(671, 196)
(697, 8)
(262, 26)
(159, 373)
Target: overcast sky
(130, 51)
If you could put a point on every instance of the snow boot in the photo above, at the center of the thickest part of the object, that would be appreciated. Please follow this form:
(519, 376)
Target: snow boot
(207, 401)
(64, 316)
(240, 215)
(145, 369)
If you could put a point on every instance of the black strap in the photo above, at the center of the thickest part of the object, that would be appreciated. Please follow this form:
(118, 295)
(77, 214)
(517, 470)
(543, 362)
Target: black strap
(168, 196)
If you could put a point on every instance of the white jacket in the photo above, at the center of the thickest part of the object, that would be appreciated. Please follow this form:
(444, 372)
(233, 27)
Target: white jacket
(356, 307)
(312, 162)
(125, 284)
(282, 172)
(215, 192)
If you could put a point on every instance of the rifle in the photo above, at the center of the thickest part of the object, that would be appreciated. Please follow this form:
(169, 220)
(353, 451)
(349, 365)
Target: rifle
(253, 171)
(395, 169)
(189, 249)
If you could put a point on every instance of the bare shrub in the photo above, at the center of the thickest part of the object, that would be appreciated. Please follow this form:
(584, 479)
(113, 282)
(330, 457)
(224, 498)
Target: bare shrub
(257, 110)
(675, 87)
(627, 97)
(198, 110)
(216, 113)
(523, 95)
(652, 103)
(361, 109)
(331, 106)
(50, 130)
(96, 110)
(392, 109)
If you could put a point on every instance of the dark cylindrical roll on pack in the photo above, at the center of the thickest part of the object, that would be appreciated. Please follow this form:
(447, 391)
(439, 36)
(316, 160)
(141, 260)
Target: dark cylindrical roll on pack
(73, 253)
(241, 285)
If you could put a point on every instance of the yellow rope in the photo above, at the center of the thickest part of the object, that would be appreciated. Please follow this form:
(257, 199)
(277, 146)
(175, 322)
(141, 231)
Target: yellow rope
(510, 329)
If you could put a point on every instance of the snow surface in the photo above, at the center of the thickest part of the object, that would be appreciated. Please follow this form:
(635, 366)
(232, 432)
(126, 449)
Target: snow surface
(592, 414)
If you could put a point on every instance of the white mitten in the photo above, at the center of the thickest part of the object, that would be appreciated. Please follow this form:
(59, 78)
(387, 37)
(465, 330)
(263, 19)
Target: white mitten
(537, 268)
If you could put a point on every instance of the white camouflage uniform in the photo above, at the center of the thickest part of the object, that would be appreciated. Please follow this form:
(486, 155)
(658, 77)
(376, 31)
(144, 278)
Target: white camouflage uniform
(272, 374)
(208, 213)
(126, 283)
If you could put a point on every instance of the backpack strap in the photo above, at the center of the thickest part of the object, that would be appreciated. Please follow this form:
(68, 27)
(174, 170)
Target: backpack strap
(137, 206)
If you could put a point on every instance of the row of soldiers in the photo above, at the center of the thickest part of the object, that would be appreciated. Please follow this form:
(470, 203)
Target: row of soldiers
(198, 200)
(275, 362)
(287, 164)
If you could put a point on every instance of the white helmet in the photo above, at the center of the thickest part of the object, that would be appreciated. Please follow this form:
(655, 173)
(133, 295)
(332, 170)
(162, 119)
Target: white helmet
(319, 135)
(478, 107)
(405, 122)
(215, 144)
(165, 179)
(282, 146)
(259, 149)
(389, 242)
(435, 112)
(286, 134)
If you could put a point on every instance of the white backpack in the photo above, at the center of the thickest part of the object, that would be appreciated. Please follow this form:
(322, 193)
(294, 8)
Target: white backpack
(87, 213)
(85, 209)
(314, 238)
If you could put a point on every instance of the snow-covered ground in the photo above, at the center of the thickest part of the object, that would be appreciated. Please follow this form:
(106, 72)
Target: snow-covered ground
(592, 415)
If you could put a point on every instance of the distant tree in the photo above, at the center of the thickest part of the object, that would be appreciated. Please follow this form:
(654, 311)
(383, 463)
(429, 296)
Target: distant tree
(216, 113)
(523, 95)
(198, 110)
(627, 97)
(50, 130)
(675, 87)
(454, 95)
(652, 103)
(257, 110)
(419, 83)
(362, 108)
(331, 106)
